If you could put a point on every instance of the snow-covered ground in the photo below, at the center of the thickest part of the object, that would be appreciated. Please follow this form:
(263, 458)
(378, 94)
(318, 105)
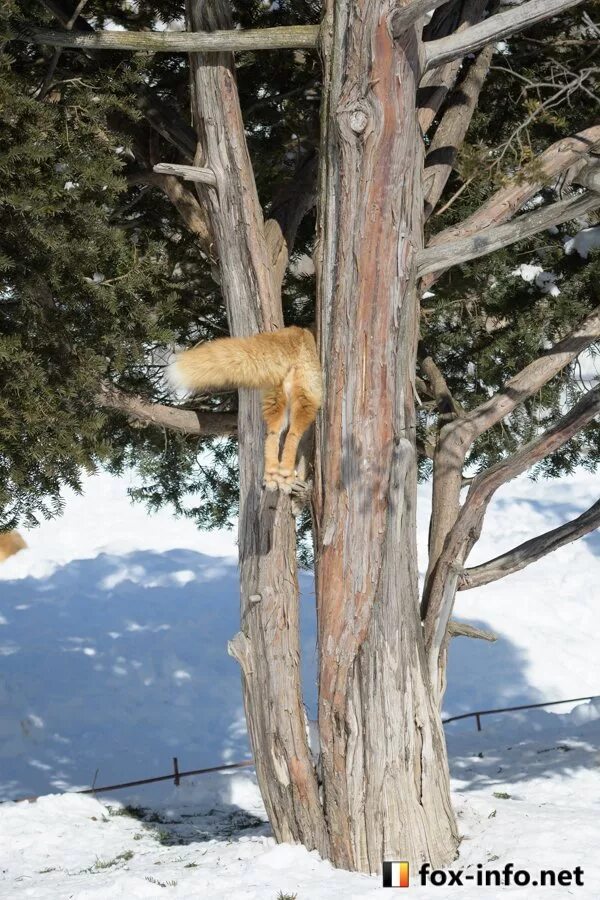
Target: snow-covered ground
(113, 631)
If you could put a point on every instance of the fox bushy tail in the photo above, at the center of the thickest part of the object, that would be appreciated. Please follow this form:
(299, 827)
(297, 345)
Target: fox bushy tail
(259, 361)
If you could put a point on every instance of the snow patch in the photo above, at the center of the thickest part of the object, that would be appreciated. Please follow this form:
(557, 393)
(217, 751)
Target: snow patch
(545, 281)
(584, 242)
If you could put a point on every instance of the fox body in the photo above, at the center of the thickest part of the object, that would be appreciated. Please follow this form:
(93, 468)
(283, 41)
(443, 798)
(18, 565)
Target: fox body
(284, 365)
(10, 543)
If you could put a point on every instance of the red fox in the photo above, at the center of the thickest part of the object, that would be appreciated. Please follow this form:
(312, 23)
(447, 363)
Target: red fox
(10, 542)
(284, 365)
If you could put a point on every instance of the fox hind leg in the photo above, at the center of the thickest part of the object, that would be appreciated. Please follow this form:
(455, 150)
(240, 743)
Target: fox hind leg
(303, 412)
(275, 411)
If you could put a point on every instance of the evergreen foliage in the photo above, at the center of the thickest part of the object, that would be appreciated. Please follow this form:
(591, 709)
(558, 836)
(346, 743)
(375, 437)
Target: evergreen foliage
(99, 275)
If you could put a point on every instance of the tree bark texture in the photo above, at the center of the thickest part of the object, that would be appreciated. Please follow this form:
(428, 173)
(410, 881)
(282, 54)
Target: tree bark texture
(385, 774)
(267, 646)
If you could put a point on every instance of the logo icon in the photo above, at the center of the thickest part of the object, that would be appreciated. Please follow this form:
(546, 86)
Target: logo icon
(395, 874)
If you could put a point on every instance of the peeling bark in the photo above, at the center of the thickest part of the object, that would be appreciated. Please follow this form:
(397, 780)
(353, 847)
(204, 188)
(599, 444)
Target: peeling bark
(385, 777)
(267, 646)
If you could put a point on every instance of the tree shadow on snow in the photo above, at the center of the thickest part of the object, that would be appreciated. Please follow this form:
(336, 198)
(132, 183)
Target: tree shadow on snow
(512, 747)
(114, 665)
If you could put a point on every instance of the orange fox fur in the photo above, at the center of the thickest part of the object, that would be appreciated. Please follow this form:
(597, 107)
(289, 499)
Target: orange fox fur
(284, 365)
(10, 542)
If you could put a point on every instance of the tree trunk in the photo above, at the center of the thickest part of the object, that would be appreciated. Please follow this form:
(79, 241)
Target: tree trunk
(385, 773)
(267, 646)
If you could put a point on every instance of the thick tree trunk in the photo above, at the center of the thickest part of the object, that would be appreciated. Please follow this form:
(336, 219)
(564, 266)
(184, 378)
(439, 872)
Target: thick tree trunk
(385, 775)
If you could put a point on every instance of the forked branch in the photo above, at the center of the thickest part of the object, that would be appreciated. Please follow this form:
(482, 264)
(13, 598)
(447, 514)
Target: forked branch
(441, 587)
(457, 437)
(452, 253)
(504, 203)
(528, 381)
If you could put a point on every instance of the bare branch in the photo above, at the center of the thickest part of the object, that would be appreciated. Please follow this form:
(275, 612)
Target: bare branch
(188, 173)
(452, 130)
(287, 37)
(463, 629)
(186, 421)
(405, 16)
(526, 382)
(66, 12)
(436, 84)
(502, 205)
(519, 557)
(456, 438)
(501, 25)
(441, 586)
(452, 253)
(447, 406)
(187, 205)
(290, 204)
(57, 53)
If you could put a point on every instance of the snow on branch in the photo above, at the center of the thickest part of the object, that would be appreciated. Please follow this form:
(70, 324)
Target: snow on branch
(186, 421)
(530, 551)
(452, 253)
(498, 26)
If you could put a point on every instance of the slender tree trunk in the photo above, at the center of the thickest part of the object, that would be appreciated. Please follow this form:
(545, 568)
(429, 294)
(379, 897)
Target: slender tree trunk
(267, 645)
(385, 774)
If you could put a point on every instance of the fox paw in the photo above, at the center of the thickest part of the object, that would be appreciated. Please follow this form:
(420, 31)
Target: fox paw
(271, 481)
(287, 480)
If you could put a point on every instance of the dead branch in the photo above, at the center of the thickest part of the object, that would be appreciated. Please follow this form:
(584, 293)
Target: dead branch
(286, 37)
(498, 26)
(441, 588)
(526, 382)
(505, 202)
(453, 253)
(436, 84)
(188, 207)
(452, 130)
(528, 552)
(185, 421)
(463, 629)
(188, 173)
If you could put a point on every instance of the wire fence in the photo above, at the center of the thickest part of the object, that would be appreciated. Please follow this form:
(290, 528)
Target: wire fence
(176, 775)
(477, 714)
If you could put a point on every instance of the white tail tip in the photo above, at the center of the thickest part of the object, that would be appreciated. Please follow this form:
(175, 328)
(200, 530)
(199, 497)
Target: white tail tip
(175, 377)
